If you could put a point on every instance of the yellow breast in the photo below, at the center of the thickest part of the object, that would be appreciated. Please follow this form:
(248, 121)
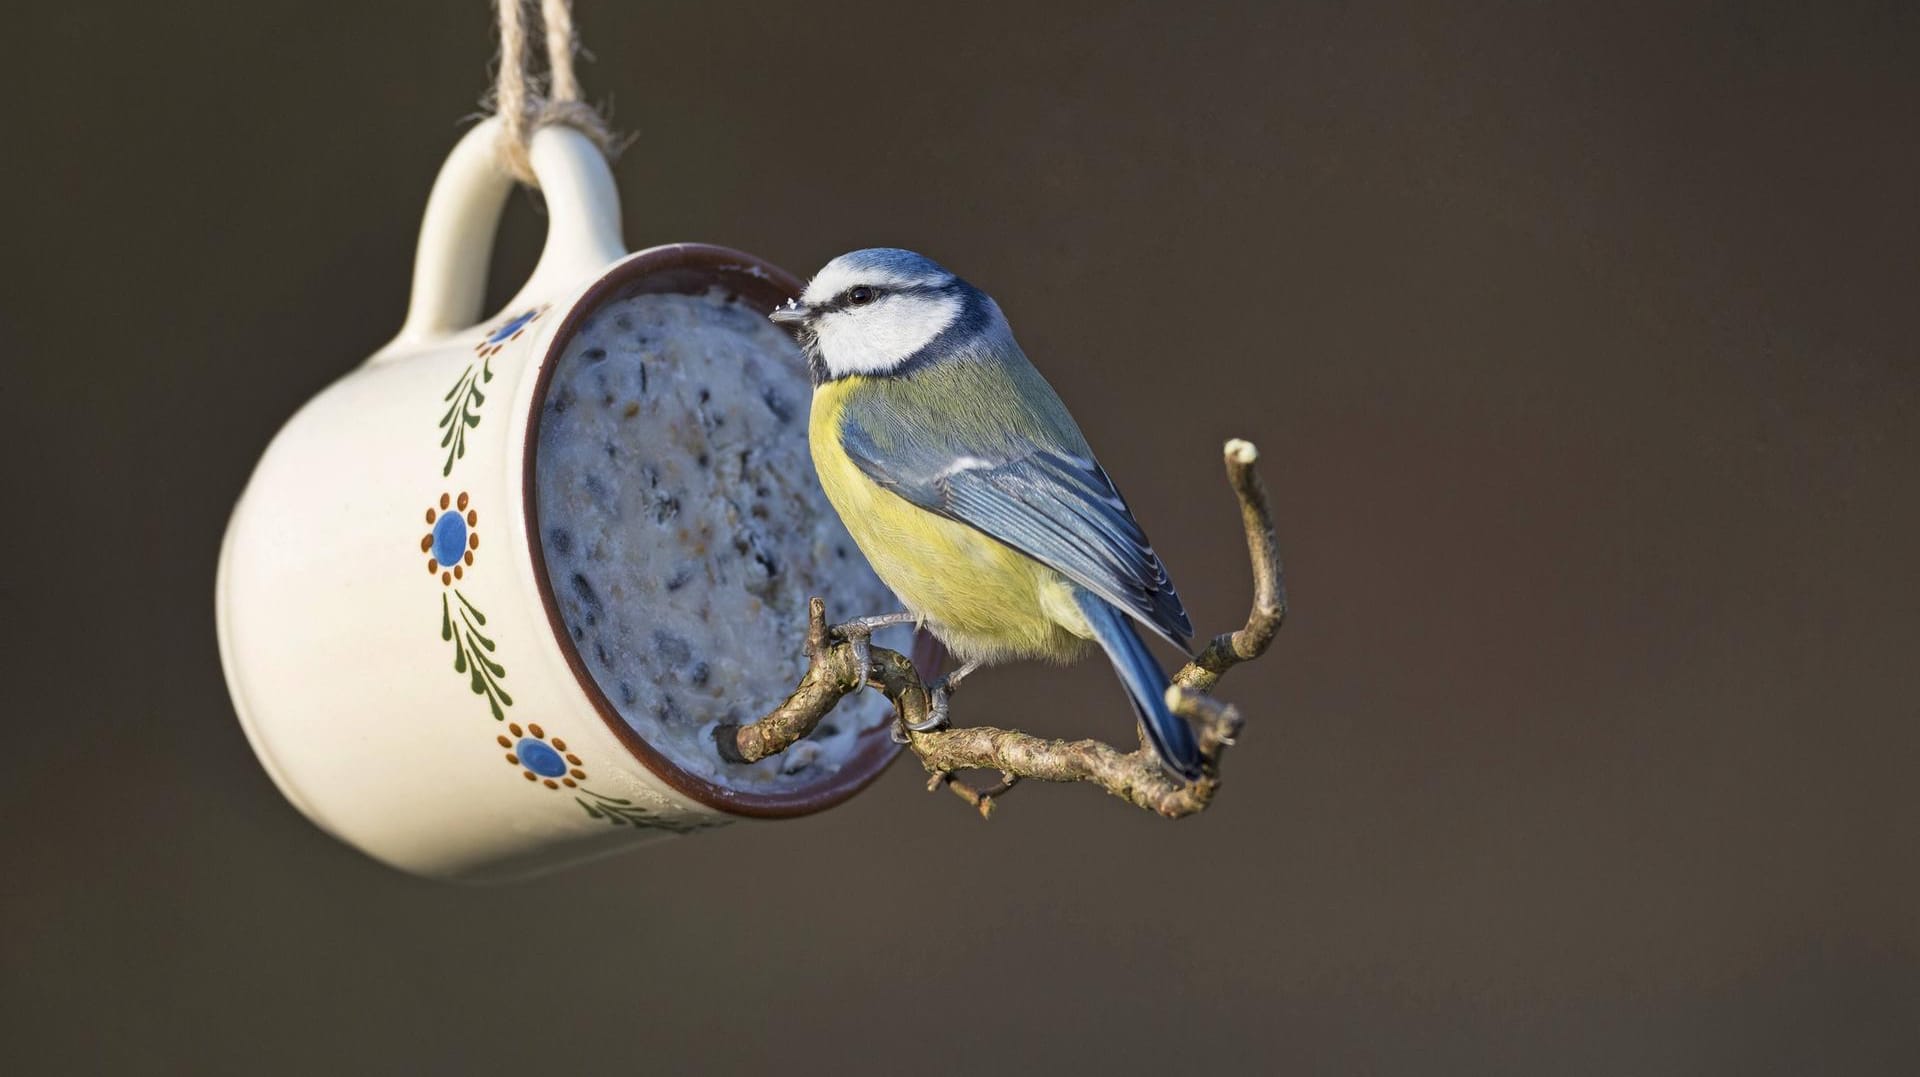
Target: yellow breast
(983, 598)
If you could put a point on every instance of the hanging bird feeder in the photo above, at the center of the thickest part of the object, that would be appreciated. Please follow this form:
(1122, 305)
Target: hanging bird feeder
(485, 599)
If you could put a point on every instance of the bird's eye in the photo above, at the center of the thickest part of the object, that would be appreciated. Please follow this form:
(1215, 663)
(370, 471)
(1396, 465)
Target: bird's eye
(861, 296)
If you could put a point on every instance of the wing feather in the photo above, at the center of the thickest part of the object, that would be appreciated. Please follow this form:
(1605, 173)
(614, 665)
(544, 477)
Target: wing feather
(1058, 507)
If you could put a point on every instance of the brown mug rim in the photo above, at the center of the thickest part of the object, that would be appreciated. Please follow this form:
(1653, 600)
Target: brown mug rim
(745, 275)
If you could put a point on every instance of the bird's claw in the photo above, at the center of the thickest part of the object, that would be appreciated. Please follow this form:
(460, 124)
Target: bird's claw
(858, 633)
(862, 648)
(940, 695)
(859, 640)
(937, 705)
(937, 697)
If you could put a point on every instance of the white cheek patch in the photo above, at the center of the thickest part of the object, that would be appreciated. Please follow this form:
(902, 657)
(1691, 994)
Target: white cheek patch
(875, 339)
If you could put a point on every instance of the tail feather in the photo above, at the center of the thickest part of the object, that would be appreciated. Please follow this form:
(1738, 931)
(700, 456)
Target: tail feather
(1146, 685)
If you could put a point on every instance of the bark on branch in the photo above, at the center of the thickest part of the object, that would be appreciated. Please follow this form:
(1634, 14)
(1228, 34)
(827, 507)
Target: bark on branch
(833, 672)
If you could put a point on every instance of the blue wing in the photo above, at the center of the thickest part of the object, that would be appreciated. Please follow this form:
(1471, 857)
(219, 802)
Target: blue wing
(1049, 500)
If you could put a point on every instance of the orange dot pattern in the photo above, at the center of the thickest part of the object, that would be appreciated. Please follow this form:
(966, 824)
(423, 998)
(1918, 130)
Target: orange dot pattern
(576, 771)
(461, 502)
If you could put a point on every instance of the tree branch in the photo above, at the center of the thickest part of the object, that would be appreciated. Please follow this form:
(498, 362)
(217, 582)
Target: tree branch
(1136, 777)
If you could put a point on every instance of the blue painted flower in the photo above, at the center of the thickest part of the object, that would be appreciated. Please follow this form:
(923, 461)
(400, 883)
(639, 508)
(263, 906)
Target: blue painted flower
(538, 756)
(451, 541)
(541, 758)
(450, 538)
(508, 330)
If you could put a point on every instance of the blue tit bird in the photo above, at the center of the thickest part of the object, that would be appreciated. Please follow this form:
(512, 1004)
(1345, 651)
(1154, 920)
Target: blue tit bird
(969, 487)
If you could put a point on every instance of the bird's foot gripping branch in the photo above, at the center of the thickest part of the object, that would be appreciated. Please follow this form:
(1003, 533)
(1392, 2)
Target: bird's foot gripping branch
(834, 670)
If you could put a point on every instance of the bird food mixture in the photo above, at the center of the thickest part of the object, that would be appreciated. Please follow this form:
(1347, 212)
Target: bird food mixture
(684, 530)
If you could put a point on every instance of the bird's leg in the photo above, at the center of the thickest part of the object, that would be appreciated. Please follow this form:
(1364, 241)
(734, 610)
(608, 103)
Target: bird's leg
(939, 696)
(859, 633)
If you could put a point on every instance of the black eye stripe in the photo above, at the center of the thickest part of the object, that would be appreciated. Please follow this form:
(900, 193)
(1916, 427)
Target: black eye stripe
(842, 301)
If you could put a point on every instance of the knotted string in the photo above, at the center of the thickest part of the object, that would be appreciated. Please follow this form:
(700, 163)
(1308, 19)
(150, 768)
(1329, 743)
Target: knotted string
(517, 98)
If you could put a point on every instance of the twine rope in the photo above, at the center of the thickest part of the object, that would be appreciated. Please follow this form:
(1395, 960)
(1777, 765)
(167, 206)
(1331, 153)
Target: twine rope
(522, 108)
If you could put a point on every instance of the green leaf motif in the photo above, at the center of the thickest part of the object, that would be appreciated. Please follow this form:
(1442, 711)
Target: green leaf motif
(478, 617)
(462, 415)
(470, 648)
(474, 633)
(620, 811)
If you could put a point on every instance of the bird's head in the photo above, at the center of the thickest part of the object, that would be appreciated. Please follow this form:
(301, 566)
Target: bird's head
(873, 311)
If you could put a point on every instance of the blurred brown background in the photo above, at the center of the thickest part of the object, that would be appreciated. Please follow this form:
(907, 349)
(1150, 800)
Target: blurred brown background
(1581, 346)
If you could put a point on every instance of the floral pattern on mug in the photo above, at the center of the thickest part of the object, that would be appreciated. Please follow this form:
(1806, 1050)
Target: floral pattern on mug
(541, 758)
(507, 332)
(466, 397)
(450, 543)
(452, 537)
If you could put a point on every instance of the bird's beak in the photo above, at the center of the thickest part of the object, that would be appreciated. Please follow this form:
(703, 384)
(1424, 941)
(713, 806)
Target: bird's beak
(793, 313)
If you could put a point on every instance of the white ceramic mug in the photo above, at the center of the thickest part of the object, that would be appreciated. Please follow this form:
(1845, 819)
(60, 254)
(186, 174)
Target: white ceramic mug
(441, 720)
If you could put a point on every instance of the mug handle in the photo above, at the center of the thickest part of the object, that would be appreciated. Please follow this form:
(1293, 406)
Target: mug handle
(463, 213)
